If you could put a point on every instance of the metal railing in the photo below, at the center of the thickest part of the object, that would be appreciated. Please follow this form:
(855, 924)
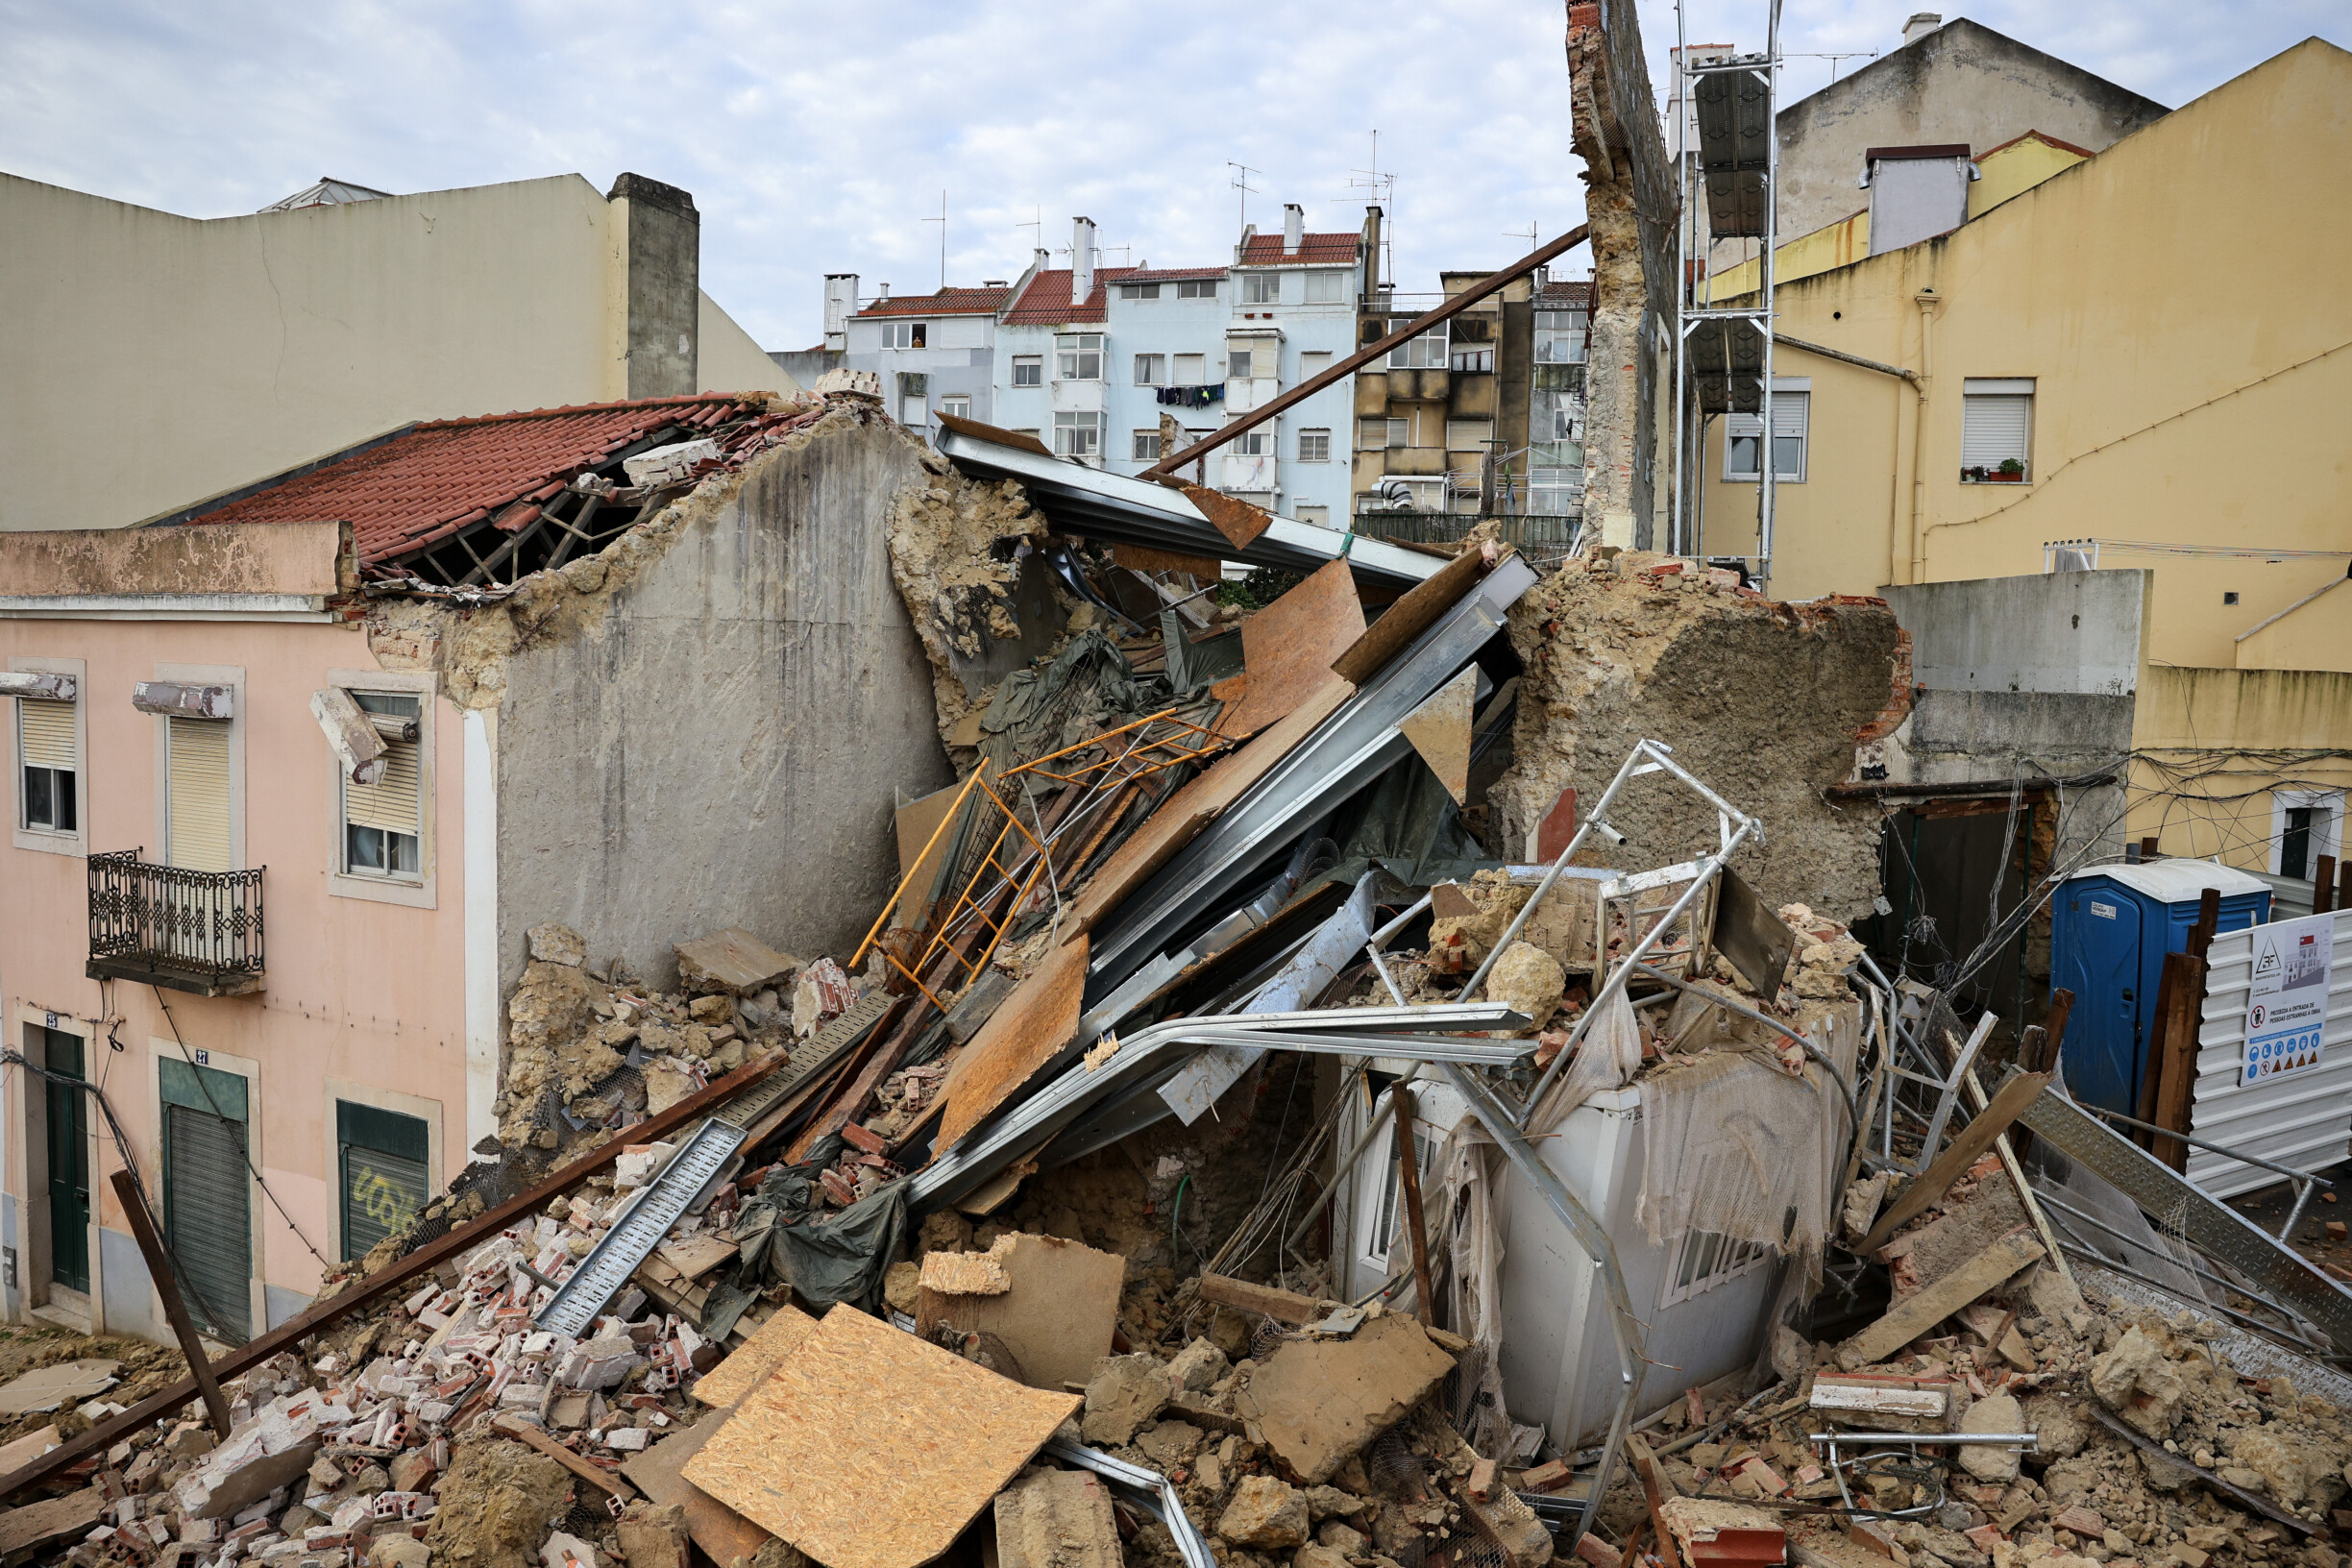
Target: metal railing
(167, 921)
(1545, 541)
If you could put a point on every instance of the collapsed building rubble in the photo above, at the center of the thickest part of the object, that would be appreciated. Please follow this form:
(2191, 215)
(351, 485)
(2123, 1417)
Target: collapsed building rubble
(1296, 1116)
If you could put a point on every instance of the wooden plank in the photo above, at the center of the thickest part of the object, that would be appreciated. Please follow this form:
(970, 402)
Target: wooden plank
(1410, 616)
(2160, 1028)
(1288, 649)
(595, 1475)
(1962, 1152)
(867, 1448)
(1915, 1314)
(2178, 1079)
(1655, 1488)
(375, 1287)
(1285, 1305)
(1025, 1032)
(717, 1529)
(748, 1367)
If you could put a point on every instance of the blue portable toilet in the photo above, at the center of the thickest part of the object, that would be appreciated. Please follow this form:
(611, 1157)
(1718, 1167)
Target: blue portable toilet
(2110, 929)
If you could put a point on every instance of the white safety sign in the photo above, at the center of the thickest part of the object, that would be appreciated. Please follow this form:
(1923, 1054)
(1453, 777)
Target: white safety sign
(2287, 1009)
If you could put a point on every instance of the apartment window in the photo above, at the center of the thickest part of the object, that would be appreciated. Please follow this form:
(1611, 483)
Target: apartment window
(1428, 351)
(1143, 447)
(48, 766)
(1262, 288)
(1371, 435)
(1399, 432)
(1139, 291)
(1705, 1260)
(1326, 288)
(1742, 433)
(955, 405)
(383, 821)
(913, 399)
(1028, 370)
(1319, 516)
(1996, 429)
(196, 782)
(1314, 447)
(2306, 826)
(1151, 370)
(1468, 434)
(1079, 358)
(1559, 337)
(1197, 289)
(1387, 1235)
(385, 1173)
(207, 1214)
(1472, 359)
(1078, 436)
(1239, 363)
(1191, 369)
(1312, 365)
(906, 334)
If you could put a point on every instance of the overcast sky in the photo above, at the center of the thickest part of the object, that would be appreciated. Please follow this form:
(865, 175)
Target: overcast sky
(817, 137)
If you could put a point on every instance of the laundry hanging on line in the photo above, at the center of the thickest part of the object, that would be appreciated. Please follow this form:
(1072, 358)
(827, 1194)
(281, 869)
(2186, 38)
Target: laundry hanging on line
(1194, 397)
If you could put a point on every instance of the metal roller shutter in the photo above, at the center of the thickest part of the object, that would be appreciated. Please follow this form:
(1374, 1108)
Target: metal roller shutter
(208, 1217)
(382, 1193)
(44, 733)
(1993, 429)
(199, 823)
(391, 803)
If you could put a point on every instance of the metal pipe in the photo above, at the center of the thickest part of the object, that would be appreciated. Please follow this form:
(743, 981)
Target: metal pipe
(1767, 474)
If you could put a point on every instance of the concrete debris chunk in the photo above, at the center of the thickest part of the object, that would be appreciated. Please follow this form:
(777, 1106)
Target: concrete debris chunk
(1267, 1514)
(1056, 1519)
(556, 945)
(1125, 1392)
(1321, 1400)
(732, 962)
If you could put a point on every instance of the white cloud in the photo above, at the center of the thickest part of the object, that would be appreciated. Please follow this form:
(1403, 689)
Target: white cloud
(816, 137)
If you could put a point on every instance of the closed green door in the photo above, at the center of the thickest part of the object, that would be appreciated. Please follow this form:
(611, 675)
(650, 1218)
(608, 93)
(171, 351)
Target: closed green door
(68, 1165)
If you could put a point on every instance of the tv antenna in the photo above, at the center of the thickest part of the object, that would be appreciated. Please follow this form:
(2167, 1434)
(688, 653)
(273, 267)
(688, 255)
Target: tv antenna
(1036, 241)
(1851, 54)
(1240, 182)
(941, 221)
(1381, 185)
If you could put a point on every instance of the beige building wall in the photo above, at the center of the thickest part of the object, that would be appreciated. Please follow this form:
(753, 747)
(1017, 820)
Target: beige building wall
(155, 361)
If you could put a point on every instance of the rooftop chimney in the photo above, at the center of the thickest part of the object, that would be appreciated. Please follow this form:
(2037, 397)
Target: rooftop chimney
(839, 304)
(1921, 24)
(1371, 252)
(1081, 260)
(1916, 193)
(1294, 227)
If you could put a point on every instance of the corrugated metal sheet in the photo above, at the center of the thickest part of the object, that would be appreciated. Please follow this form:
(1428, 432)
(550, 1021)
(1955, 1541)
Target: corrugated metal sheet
(207, 1213)
(2303, 1119)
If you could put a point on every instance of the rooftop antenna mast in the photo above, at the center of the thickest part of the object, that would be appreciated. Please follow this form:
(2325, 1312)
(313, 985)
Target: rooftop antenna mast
(1382, 185)
(1037, 241)
(1240, 182)
(941, 221)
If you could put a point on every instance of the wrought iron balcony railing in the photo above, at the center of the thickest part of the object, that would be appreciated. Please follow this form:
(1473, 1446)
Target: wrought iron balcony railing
(166, 925)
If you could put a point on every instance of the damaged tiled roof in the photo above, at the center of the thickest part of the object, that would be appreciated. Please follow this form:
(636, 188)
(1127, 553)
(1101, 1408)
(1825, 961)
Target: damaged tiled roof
(1564, 296)
(427, 482)
(1172, 274)
(1048, 301)
(1266, 249)
(946, 302)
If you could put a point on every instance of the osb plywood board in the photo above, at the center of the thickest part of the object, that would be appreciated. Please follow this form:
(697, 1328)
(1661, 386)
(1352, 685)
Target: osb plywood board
(1289, 646)
(1190, 809)
(1024, 1033)
(1411, 616)
(1439, 730)
(870, 1449)
(1240, 522)
(1053, 1318)
(747, 1366)
(717, 1529)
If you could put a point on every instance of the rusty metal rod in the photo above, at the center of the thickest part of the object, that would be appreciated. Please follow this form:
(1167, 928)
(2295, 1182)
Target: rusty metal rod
(1409, 1176)
(1356, 361)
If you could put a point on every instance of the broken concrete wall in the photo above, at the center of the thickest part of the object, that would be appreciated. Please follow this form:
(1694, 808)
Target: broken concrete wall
(1763, 700)
(703, 724)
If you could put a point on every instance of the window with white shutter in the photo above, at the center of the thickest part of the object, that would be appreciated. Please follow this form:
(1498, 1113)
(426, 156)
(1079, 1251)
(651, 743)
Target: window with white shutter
(196, 814)
(383, 821)
(1790, 414)
(1996, 429)
(48, 763)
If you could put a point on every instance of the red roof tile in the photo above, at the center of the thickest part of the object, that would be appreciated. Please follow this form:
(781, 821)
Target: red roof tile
(429, 480)
(1266, 249)
(1564, 296)
(948, 302)
(1172, 274)
(1046, 300)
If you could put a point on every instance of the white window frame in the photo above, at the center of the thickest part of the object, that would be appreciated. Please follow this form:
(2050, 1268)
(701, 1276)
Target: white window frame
(1028, 370)
(1314, 362)
(1386, 1234)
(1699, 1262)
(420, 891)
(1139, 291)
(956, 405)
(1992, 390)
(1196, 288)
(1472, 359)
(1240, 362)
(1144, 446)
(2326, 837)
(1791, 404)
(1327, 286)
(1257, 443)
(1560, 337)
(1262, 288)
(1314, 446)
(1077, 353)
(1070, 426)
(48, 841)
(1151, 370)
(1315, 516)
(906, 334)
(1427, 352)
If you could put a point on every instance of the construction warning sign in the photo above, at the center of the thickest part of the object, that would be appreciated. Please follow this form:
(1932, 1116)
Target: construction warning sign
(2287, 1009)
